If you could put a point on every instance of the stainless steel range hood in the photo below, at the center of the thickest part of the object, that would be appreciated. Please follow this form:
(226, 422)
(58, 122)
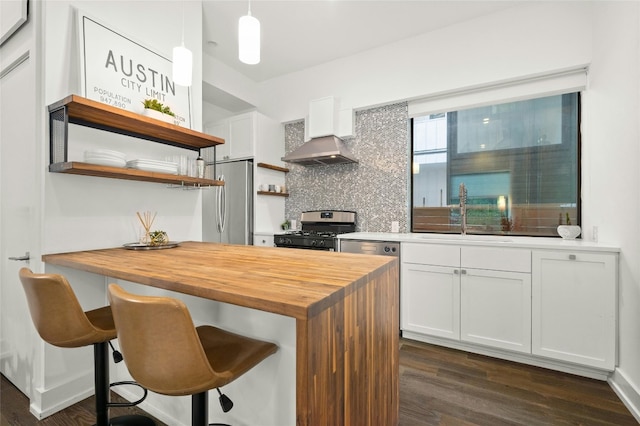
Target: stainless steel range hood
(324, 150)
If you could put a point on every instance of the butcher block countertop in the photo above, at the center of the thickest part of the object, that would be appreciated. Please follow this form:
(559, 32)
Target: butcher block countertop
(346, 308)
(291, 282)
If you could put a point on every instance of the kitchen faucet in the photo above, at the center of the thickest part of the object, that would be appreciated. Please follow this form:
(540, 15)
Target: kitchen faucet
(463, 208)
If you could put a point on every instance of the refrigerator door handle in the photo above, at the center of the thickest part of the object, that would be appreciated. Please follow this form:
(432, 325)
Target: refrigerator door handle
(222, 206)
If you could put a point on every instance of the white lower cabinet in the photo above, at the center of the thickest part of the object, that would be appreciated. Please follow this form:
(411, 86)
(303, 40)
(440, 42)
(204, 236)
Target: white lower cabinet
(574, 307)
(430, 300)
(475, 294)
(265, 240)
(551, 307)
(495, 309)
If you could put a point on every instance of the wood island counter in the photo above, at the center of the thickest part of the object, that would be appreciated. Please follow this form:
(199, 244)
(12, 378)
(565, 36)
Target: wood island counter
(345, 306)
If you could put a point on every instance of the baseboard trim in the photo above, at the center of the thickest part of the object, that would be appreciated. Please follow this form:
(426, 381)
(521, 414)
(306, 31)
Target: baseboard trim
(579, 370)
(47, 401)
(626, 391)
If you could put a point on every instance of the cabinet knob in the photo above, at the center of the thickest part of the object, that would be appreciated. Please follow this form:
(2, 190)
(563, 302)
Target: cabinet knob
(463, 272)
(572, 257)
(456, 272)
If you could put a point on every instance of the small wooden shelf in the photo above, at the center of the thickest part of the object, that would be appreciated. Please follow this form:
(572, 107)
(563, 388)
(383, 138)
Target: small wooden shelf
(278, 194)
(87, 169)
(272, 167)
(87, 112)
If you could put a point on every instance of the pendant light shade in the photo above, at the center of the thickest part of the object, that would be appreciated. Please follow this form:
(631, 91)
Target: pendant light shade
(182, 65)
(249, 39)
(182, 61)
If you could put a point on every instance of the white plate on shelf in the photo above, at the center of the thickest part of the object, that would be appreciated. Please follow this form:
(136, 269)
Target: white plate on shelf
(154, 166)
(105, 153)
(105, 161)
(153, 162)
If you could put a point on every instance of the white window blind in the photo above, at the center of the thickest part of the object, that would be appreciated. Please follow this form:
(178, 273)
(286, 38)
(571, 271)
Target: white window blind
(567, 81)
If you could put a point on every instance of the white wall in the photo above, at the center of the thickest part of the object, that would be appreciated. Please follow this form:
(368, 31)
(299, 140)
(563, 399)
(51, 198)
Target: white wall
(610, 175)
(536, 38)
(82, 212)
(515, 42)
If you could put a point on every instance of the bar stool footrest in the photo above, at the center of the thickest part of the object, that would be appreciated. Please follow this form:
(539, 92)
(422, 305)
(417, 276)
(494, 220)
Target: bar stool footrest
(128, 404)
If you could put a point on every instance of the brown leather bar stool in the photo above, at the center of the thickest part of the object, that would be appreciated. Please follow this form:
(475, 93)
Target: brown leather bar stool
(167, 354)
(60, 321)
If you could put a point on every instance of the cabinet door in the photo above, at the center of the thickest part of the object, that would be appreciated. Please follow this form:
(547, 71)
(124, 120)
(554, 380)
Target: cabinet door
(574, 307)
(241, 136)
(431, 300)
(495, 309)
(265, 240)
(221, 130)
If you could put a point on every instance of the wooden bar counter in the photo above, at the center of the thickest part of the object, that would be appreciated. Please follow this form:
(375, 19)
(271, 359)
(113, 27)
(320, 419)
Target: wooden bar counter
(345, 305)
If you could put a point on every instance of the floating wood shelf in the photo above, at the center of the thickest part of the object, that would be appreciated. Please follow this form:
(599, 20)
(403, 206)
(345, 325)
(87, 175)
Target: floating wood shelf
(89, 113)
(272, 167)
(278, 194)
(86, 169)
(85, 112)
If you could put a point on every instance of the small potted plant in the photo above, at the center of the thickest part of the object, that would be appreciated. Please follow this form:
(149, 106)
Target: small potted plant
(155, 109)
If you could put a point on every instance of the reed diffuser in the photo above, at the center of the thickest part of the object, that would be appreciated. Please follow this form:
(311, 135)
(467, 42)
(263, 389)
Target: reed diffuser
(151, 238)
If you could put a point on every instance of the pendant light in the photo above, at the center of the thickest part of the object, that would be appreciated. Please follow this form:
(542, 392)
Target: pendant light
(249, 39)
(182, 61)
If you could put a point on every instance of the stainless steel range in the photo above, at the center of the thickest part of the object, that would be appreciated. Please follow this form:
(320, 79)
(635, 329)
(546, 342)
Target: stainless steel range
(318, 230)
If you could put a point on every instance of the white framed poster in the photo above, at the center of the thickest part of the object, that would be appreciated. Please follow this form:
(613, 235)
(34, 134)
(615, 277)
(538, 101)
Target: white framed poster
(122, 72)
(13, 13)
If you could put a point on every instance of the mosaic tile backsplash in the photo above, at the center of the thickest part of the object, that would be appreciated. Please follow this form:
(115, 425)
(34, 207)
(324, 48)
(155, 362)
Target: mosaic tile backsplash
(376, 187)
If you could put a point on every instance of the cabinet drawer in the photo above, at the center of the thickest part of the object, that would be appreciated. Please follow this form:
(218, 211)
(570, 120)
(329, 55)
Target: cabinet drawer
(431, 254)
(497, 259)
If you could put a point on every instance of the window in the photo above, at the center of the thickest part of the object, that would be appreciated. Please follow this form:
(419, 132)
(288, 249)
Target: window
(519, 162)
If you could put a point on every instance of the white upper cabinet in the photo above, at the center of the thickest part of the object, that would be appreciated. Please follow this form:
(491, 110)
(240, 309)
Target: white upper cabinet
(242, 135)
(238, 133)
(327, 118)
(323, 117)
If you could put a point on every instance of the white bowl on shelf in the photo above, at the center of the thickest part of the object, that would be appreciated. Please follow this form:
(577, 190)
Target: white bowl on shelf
(569, 232)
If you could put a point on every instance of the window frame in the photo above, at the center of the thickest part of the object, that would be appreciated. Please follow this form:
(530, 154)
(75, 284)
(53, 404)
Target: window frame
(452, 154)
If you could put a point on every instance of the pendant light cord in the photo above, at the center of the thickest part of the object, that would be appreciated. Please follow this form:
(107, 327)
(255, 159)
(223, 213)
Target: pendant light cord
(183, 22)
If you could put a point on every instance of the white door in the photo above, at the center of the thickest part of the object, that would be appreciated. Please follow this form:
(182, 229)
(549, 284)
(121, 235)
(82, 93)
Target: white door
(431, 300)
(574, 307)
(495, 309)
(19, 215)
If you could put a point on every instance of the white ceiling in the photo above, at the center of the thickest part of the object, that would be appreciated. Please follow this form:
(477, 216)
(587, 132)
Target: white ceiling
(299, 34)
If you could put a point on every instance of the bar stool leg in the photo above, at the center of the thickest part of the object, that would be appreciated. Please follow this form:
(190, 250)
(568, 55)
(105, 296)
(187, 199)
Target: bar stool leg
(102, 389)
(101, 377)
(200, 409)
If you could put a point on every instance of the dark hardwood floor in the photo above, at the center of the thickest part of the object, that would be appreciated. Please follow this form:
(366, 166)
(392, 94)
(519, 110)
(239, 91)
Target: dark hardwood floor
(438, 386)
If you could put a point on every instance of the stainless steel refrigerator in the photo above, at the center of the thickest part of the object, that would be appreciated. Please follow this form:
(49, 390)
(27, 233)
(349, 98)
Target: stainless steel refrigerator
(227, 211)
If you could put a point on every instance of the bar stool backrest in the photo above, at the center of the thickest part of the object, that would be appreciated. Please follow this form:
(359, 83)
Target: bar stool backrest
(57, 314)
(160, 344)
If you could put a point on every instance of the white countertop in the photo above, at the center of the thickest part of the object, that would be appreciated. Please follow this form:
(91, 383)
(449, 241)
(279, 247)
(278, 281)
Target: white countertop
(484, 240)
